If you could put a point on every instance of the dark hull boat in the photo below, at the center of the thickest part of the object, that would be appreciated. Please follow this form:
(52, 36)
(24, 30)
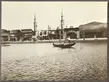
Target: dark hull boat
(64, 45)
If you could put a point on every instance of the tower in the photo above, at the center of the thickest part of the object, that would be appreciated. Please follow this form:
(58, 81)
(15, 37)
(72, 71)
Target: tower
(62, 25)
(35, 26)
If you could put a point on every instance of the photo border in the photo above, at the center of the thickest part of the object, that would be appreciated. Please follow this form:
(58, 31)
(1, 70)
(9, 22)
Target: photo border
(61, 1)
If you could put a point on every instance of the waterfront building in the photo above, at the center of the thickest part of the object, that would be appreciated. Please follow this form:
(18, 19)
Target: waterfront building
(5, 35)
(46, 34)
(52, 34)
(93, 30)
(15, 35)
(89, 30)
(27, 34)
(58, 33)
(73, 33)
(43, 34)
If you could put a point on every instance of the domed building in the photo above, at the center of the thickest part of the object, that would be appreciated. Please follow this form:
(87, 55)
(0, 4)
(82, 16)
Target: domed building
(93, 30)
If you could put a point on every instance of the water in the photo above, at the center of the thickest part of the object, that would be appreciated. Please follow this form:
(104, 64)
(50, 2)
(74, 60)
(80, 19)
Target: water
(84, 61)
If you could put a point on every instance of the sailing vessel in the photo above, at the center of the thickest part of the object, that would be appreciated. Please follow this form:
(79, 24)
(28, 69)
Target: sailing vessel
(61, 34)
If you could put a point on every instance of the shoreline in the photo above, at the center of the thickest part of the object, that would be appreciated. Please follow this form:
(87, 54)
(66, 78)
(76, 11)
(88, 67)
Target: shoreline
(55, 40)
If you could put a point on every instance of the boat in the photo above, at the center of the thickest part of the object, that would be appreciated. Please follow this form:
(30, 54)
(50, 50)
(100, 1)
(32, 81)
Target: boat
(61, 33)
(64, 45)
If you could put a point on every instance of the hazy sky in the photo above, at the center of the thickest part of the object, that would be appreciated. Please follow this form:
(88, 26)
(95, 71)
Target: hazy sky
(20, 15)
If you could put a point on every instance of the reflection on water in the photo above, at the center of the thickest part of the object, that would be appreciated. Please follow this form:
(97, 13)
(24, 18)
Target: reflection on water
(46, 62)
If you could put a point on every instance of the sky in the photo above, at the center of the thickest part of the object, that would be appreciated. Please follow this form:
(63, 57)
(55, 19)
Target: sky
(20, 15)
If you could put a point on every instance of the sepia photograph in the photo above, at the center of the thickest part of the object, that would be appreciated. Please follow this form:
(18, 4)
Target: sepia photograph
(54, 41)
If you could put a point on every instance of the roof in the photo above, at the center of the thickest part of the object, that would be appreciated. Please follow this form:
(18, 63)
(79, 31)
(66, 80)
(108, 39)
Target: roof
(26, 30)
(15, 31)
(93, 26)
(74, 29)
(4, 30)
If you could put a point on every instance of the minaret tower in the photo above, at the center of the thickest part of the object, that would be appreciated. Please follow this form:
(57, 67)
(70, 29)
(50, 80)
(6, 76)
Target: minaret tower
(35, 26)
(62, 25)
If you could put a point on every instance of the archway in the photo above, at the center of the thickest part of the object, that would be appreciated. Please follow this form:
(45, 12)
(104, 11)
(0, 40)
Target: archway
(72, 34)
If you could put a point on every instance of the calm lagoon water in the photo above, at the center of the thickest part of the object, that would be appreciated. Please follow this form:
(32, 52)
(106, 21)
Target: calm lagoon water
(42, 61)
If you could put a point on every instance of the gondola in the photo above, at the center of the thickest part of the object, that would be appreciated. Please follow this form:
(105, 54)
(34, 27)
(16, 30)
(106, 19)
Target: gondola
(64, 45)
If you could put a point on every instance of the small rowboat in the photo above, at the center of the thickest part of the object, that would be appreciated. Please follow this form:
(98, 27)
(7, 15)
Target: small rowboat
(64, 45)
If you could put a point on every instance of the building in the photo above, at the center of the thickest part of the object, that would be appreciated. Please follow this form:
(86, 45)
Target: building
(43, 34)
(15, 35)
(73, 33)
(46, 34)
(93, 30)
(5, 35)
(52, 34)
(58, 32)
(27, 34)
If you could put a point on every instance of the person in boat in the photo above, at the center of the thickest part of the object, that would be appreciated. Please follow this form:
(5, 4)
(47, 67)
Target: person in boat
(68, 39)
